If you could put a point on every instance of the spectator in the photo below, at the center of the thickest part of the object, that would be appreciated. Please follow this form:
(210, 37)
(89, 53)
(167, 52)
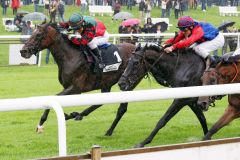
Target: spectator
(78, 3)
(117, 8)
(148, 8)
(129, 4)
(61, 9)
(26, 30)
(148, 26)
(164, 7)
(47, 56)
(4, 4)
(46, 4)
(15, 5)
(176, 8)
(168, 8)
(35, 3)
(53, 10)
(141, 9)
(203, 5)
(84, 6)
(18, 18)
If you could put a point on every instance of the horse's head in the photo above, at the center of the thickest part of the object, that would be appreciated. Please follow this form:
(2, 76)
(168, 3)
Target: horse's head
(209, 77)
(136, 69)
(43, 36)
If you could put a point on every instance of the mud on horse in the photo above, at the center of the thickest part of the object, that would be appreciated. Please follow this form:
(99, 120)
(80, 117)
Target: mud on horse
(75, 74)
(223, 73)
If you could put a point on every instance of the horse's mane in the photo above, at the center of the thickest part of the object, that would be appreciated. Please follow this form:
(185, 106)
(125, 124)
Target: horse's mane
(178, 51)
(64, 36)
(153, 47)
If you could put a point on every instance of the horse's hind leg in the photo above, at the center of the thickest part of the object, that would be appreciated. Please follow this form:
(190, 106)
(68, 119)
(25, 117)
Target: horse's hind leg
(230, 114)
(198, 112)
(176, 106)
(79, 116)
(121, 110)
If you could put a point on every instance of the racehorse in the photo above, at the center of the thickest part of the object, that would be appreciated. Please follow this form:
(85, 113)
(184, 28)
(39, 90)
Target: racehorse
(178, 69)
(74, 72)
(223, 73)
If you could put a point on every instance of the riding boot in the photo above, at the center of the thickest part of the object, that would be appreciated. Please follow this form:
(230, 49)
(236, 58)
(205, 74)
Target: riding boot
(97, 52)
(234, 58)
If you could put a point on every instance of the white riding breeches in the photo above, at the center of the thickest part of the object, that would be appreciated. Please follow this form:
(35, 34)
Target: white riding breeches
(203, 49)
(236, 52)
(98, 41)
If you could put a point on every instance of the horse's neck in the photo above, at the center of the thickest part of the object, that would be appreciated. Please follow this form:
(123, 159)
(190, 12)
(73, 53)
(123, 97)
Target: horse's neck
(67, 57)
(62, 51)
(161, 61)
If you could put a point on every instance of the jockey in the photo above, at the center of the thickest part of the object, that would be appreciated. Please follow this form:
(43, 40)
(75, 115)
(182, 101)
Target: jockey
(93, 33)
(202, 37)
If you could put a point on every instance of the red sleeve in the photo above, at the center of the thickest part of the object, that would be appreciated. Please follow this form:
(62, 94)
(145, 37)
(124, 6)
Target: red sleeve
(174, 40)
(64, 25)
(101, 28)
(87, 35)
(197, 34)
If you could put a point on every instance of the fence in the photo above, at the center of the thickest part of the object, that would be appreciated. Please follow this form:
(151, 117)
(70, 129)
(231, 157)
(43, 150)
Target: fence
(105, 98)
(114, 38)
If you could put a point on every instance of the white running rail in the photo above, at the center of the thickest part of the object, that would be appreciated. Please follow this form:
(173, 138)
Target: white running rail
(57, 102)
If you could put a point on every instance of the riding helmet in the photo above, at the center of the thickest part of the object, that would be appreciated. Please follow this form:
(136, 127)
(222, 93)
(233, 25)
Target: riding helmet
(76, 21)
(185, 22)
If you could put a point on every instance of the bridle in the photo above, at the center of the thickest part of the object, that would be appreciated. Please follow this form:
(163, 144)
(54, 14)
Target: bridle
(145, 65)
(220, 76)
(35, 46)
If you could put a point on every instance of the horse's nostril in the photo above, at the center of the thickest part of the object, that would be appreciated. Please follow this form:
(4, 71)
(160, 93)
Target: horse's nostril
(121, 84)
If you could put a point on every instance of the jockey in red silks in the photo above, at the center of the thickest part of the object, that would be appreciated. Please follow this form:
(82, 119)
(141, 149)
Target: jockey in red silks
(92, 33)
(202, 37)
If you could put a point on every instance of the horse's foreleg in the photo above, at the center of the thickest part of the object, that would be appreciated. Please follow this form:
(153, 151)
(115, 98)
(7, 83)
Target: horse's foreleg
(198, 112)
(67, 91)
(79, 116)
(176, 106)
(230, 114)
(121, 110)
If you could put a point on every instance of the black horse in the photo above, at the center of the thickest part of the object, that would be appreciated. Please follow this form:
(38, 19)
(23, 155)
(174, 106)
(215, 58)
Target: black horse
(74, 72)
(178, 69)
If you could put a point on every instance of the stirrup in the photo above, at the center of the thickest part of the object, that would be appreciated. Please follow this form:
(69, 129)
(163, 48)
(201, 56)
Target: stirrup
(101, 65)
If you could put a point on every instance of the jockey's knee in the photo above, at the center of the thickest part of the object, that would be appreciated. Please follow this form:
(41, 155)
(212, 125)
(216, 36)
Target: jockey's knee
(201, 51)
(92, 45)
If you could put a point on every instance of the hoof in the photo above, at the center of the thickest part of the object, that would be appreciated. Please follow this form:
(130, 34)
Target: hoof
(206, 138)
(108, 133)
(78, 118)
(139, 145)
(39, 129)
(67, 117)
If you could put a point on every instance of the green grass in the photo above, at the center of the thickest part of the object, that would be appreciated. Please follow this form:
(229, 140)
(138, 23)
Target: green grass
(20, 141)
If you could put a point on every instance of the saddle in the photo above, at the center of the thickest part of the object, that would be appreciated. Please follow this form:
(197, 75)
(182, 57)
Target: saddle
(110, 56)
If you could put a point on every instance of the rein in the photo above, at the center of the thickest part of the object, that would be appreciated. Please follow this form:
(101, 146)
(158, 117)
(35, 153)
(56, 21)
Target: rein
(52, 34)
(237, 72)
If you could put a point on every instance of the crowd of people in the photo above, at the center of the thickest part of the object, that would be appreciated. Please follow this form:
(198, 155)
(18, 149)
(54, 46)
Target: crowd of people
(56, 7)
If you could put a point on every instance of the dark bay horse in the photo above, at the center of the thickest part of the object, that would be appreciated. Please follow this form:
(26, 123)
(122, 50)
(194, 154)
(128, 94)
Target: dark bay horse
(74, 72)
(223, 73)
(178, 69)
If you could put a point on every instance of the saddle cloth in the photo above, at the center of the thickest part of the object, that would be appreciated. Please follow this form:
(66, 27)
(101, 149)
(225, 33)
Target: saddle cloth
(111, 57)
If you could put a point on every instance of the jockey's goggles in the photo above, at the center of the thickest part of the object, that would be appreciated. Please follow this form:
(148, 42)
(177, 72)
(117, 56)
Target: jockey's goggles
(184, 29)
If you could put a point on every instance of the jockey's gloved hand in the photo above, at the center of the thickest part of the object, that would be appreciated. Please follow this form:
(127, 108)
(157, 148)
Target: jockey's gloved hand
(70, 36)
(64, 25)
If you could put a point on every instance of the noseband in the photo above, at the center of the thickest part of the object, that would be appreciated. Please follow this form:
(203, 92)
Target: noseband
(36, 47)
(146, 65)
